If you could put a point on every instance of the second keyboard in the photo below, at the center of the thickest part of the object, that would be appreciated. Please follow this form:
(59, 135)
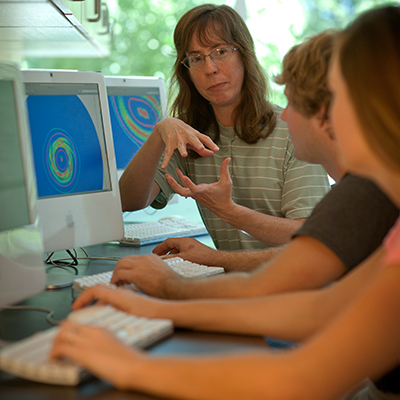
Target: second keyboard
(158, 231)
(179, 265)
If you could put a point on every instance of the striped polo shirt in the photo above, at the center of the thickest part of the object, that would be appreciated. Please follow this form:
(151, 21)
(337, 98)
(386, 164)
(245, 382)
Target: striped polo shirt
(266, 177)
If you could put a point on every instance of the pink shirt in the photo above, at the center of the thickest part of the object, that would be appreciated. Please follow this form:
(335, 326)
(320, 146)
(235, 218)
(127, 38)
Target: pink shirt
(392, 244)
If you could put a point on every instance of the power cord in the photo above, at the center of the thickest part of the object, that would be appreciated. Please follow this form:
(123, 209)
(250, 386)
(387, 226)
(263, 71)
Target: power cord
(49, 316)
(63, 262)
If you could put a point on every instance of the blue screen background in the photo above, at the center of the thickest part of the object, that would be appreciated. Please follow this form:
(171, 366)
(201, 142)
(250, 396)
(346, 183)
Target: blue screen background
(67, 152)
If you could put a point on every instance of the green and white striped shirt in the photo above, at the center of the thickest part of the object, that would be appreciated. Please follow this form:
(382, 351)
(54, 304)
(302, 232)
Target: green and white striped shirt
(266, 178)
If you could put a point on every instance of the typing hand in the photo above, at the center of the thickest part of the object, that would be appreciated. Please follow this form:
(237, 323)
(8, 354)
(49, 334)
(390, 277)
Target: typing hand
(148, 273)
(216, 196)
(177, 135)
(121, 299)
(187, 248)
(98, 351)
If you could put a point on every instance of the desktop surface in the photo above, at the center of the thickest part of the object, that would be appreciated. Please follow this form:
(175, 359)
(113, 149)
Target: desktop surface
(18, 324)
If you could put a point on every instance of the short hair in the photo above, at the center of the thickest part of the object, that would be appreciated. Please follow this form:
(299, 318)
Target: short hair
(304, 72)
(254, 112)
(369, 59)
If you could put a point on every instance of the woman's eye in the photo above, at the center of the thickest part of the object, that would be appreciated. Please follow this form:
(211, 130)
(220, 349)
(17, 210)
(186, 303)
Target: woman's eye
(195, 59)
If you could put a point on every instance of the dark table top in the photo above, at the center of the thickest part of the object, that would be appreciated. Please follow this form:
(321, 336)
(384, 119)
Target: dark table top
(18, 324)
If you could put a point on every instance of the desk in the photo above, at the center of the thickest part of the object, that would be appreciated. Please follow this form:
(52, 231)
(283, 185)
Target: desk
(17, 324)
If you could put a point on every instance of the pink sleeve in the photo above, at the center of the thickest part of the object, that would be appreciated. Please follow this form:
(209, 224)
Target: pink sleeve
(392, 244)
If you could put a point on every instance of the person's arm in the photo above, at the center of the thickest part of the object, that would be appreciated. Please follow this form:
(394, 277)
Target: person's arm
(268, 229)
(192, 250)
(304, 264)
(289, 316)
(217, 197)
(137, 186)
(359, 342)
(362, 342)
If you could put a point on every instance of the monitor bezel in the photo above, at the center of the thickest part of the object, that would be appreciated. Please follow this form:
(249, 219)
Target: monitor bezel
(21, 252)
(62, 229)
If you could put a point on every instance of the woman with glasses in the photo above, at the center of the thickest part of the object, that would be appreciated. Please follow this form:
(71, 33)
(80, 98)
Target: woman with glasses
(226, 144)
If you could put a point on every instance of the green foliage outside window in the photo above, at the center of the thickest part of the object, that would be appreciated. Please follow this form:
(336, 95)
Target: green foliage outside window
(143, 42)
(319, 15)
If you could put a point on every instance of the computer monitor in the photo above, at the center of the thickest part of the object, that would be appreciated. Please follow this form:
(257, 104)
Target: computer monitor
(136, 105)
(22, 271)
(79, 203)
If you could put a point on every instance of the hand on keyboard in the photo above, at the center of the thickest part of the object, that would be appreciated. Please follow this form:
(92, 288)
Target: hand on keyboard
(96, 338)
(187, 248)
(149, 273)
(96, 350)
(126, 301)
(160, 275)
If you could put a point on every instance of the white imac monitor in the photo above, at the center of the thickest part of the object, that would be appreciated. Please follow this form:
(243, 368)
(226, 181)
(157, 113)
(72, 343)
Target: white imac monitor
(22, 271)
(136, 105)
(79, 203)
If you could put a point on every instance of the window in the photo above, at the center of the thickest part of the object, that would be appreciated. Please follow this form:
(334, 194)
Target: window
(143, 30)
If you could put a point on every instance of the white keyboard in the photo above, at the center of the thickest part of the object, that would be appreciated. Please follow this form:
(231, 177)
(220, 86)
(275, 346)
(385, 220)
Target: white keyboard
(179, 265)
(158, 231)
(29, 358)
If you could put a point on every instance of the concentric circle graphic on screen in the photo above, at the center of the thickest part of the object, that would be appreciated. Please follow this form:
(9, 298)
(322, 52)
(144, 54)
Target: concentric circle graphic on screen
(67, 153)
(132, 119)
(137, 115)
(62, 161)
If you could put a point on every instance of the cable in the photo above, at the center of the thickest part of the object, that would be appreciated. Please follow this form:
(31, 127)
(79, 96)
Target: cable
(91, 258)
(62, 262)
(49, 315)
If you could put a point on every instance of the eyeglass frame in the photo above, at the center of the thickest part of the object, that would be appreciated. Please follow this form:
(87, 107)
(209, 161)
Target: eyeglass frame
(207, 55)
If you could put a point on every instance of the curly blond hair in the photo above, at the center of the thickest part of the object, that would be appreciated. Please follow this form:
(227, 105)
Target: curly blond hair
(304, 72)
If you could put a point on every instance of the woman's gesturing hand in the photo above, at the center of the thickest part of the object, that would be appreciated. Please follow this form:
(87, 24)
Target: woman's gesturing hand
(176, 134)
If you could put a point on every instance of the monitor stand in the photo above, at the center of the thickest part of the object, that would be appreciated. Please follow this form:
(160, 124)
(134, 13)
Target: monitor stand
(59, 281)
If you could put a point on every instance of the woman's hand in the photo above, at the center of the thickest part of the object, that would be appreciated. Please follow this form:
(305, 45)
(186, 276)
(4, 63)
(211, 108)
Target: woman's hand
(121, 299)
(98, 351)
(178, 135)
(216, 196)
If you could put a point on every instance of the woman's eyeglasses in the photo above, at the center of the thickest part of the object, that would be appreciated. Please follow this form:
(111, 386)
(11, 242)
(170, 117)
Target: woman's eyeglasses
(221, 55)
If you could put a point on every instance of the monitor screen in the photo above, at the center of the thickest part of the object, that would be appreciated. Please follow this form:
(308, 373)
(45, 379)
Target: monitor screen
(74, 158)
(22, 271)
(69, 147)
(136, 105)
